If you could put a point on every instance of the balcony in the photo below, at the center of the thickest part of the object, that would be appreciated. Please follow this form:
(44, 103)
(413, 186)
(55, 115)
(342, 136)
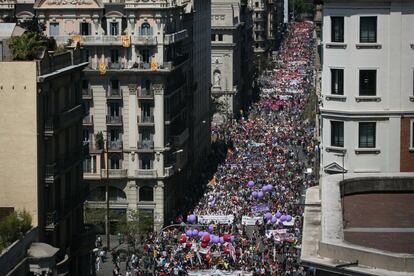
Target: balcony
(145, 146)
(51, 173)
(146, 94)
(144, 40)
(178, 140)
(137, 67)
(101, 40)
(145, 120)
(87, 94)
(169, 171)
(145, 174)
(114, 94)
(62, 120)
(115, 173)
(51, 220)
(175, 37)
(88, 120)
(115, 145)
(113, 120)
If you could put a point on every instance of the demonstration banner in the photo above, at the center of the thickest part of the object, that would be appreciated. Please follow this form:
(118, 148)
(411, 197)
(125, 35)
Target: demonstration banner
(218, 272)
(217, 219)
(260, 208)
(280, 235)
(251, 220)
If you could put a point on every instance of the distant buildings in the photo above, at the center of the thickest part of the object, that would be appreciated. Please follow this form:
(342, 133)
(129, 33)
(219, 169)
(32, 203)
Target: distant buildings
(231, 55)
(41, 150)
(366, 150)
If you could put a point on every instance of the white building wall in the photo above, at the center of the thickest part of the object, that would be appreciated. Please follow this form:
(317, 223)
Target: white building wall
(394, 61)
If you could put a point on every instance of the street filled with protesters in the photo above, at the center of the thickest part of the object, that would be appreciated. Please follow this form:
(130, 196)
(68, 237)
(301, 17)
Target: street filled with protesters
(249, 220)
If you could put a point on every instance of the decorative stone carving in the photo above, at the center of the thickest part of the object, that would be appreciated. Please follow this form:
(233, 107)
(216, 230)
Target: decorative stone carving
(69, 2)
(158, 88)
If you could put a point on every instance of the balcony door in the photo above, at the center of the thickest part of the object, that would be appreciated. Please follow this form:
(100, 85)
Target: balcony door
(114, 109)
(54, 29)
(146, 110)
(114, 28)
(146, 55)
(85, 28)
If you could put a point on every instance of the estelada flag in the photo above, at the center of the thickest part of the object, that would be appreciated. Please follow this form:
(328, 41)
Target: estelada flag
(125, 41)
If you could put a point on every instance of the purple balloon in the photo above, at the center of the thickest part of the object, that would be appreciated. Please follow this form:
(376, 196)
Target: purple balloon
(221, 240)
(201, 234)
(288, 218)
(189, 233)
(250, 184)
(191, 218)
(232, 239)
(260, 194)
(264, 189)
(278, 214)
(268, 216)
(274, 220)
(195, 233)
(283, 218)
(269, 187)
(211, 227)
(216, 239)
(255, 194)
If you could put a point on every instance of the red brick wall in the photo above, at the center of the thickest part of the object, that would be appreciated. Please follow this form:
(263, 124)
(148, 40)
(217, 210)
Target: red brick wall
(406, 157)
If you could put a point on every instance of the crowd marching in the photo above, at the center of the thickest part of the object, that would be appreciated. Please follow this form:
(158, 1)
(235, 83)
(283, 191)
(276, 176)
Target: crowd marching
(249, 221)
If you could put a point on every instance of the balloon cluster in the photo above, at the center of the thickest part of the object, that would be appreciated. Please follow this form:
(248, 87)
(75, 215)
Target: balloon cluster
(205, 237)
(260, 193)
(278, 216)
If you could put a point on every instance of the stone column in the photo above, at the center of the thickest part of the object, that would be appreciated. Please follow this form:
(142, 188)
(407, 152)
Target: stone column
(158, 89)
(159, 207)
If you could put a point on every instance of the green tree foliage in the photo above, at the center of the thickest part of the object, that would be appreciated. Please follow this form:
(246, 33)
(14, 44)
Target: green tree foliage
(299, 7)
(13, 227)
(138, 223)
(26, 46)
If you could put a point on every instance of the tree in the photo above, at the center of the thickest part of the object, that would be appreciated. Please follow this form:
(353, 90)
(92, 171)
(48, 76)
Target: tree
(299, 7)
(13, 227)
(26, 46)
(137, 224)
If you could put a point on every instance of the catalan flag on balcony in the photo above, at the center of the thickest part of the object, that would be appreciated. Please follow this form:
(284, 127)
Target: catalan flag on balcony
(102, 68)
(153, 66)
(76, 39)
(125, 41)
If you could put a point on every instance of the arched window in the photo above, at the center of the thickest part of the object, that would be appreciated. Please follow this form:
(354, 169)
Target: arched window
(146, 193)
(146, 29)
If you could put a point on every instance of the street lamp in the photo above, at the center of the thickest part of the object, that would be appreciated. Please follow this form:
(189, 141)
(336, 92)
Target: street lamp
(107, 226)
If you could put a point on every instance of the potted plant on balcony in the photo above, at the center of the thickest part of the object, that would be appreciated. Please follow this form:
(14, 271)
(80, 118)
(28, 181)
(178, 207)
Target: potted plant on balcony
(99, 140)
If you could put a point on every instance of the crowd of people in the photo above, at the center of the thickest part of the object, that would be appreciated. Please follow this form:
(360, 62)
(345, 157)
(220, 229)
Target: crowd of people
(249, 221)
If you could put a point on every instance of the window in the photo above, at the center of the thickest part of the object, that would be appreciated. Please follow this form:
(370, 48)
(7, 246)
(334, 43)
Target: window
(213, 37)
(85, 28)
(114, 85)
(146, 29)
(114, 109)
(337, 134)
(114, 28)
(220, 37)
(146, 55)
(146, 194)
(86, 135)
(412, 135)
(337, 29)
(367, 82)
(54, 29)
(367, 132)
(337, 81)
(114, 163)
(368, 29)
(114, 56)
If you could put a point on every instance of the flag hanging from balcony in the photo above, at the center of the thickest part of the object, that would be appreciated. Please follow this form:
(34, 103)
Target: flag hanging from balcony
(76, 39)
(153, 66)
(102, 68)
(125, 41)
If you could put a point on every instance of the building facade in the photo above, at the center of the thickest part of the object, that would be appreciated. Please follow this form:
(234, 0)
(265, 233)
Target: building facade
(268, 20)
(230, 41)
(367, 110)
(42, 150)
(366, 150)
(146, 94)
